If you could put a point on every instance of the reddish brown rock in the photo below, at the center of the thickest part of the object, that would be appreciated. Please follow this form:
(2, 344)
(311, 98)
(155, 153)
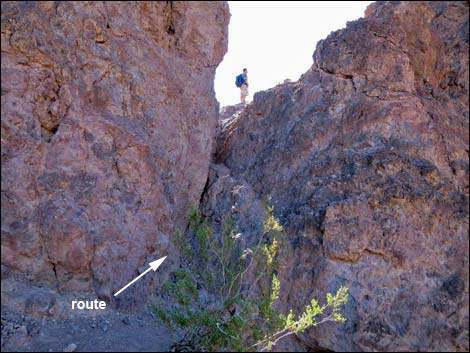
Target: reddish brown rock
(108, 116)
(366, 160)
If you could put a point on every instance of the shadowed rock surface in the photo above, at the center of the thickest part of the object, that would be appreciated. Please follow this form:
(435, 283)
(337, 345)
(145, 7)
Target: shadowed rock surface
(108, 117)
(366, 160)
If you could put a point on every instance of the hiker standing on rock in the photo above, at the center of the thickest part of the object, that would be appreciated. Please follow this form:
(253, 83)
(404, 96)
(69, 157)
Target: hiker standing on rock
(242, 82)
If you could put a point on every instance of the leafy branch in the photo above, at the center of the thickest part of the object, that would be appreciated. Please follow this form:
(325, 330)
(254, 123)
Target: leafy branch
(229, 316)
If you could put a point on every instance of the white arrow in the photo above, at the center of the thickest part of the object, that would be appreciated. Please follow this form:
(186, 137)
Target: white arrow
(153, 266)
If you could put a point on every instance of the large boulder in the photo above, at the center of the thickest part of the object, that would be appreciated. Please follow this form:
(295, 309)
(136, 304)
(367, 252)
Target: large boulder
(366, 162)
(108, 117)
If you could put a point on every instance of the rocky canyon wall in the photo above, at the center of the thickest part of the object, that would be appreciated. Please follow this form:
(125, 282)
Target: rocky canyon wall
(366, 161)
(108, 119)
(108, 116)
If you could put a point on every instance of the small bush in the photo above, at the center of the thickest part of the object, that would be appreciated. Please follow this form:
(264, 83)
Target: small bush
(215, 304)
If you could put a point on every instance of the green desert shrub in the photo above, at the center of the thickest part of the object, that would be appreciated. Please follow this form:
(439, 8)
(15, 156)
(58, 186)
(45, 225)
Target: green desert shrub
(223, 298)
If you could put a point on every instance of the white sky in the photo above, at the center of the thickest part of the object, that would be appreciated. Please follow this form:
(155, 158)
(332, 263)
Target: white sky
(275, 40)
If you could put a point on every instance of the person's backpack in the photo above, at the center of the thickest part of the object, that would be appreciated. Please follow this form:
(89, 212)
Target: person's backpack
(239, 80)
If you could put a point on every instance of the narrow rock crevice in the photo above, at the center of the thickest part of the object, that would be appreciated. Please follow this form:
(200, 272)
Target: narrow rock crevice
(170, 25)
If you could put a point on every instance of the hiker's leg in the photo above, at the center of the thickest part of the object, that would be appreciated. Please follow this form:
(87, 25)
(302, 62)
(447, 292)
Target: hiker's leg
(243, 93)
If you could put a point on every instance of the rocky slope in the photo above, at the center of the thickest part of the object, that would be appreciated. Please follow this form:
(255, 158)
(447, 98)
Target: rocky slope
(366, 161)
(108, 117)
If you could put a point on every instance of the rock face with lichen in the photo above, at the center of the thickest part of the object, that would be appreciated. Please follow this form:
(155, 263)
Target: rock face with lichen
(108, 117)
(366, 162)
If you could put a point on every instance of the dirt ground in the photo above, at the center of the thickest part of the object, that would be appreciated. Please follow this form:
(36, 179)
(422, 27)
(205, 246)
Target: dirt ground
(114, 332)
